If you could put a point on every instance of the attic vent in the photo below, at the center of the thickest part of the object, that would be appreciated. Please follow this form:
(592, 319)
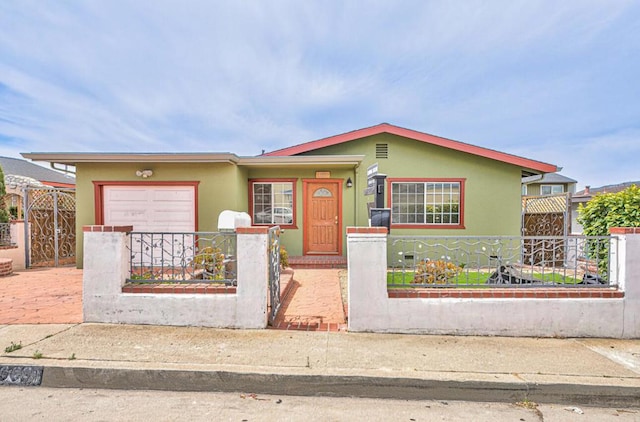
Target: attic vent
(382, 151)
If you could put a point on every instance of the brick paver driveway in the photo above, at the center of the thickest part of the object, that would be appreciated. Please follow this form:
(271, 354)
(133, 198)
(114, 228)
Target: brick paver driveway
(42, 296)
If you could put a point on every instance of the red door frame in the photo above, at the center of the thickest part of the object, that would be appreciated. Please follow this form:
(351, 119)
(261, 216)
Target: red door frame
(306, 183)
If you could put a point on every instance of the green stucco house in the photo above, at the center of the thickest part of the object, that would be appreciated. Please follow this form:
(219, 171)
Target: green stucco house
(430, 185)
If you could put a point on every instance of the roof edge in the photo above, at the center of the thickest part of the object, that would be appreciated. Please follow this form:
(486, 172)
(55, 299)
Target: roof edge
(523, 162)
(262, 160)
(167, 157)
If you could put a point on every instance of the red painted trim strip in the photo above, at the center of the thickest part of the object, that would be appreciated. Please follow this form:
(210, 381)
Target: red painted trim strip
(58, 184)
(419, 136)
(367, 230)
(558, 293)
(107, 229)
(252, 230)
(624, 230)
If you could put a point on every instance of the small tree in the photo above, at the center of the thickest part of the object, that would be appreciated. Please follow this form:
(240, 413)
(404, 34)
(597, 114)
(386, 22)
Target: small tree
(4, 214)
(602, 212)
(621, 209)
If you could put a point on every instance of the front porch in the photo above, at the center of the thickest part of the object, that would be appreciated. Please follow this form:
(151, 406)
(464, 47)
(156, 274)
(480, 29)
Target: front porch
(318, 261)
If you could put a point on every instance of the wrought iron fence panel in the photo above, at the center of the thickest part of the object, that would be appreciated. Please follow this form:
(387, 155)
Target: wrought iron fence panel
(546, 261)
(274, 272)
(5, 235)
(51, 213)
(197, 257)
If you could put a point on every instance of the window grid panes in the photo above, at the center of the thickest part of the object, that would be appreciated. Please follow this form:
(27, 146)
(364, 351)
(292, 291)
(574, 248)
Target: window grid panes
(272, 203)
(551, 189)
(436, 203)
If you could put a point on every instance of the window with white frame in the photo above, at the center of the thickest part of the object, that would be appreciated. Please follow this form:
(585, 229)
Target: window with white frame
(427, 203)
(551, 189)
(272, 202)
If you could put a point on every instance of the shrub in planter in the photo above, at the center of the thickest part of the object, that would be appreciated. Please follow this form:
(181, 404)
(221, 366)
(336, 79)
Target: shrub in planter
(212, 261)
(435, 272)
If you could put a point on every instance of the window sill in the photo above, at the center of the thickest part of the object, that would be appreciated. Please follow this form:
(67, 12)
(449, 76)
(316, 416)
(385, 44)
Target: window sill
(428, 226)
(282, 226)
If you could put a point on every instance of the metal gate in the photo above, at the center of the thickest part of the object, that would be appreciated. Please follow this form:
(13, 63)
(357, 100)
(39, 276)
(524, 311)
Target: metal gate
(274, 273)
(545, 216)
(51, 228)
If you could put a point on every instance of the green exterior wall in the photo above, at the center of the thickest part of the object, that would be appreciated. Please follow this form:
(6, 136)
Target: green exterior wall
(292, 237)
(533, 189)
(492, 200)
(222, 186)
(492, 189)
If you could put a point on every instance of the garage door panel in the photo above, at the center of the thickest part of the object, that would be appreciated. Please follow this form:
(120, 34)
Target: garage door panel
(150, 208)
(127, 216)
(127, 195)
(174, 195)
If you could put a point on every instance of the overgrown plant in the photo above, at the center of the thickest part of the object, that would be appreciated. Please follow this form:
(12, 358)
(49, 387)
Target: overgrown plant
(284, 257)
(13, 347)
(212, 261)
(435, 272)
(604, 211)
(4, 214)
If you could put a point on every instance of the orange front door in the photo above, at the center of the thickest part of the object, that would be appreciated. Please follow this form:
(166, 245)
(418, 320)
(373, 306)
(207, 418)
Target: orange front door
(322, 216)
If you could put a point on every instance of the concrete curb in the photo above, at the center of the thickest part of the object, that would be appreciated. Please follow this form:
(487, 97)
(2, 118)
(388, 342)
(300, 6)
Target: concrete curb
(339, 386)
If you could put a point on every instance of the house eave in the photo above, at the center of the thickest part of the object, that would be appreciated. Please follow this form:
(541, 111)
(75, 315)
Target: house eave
(302, 161)
(75, 158)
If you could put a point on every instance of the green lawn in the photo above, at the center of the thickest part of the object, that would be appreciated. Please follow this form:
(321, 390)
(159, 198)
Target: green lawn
(473, 279)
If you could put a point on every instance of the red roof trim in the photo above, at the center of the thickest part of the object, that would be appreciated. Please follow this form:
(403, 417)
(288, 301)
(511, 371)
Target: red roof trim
(419, 136)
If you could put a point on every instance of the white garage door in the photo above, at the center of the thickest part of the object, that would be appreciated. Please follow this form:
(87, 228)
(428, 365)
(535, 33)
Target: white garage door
(150, 208)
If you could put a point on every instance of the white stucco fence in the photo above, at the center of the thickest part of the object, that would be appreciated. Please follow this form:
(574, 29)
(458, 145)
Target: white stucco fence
(106, 266)
(371, 309)
(16, 253)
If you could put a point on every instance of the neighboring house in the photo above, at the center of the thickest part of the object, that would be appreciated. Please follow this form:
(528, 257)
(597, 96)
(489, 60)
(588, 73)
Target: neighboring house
(433, 186)
(19, 174)
(585, 195)
(547, 184)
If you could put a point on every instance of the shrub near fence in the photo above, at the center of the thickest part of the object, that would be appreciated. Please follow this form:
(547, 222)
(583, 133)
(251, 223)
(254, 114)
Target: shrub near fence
(197, 257)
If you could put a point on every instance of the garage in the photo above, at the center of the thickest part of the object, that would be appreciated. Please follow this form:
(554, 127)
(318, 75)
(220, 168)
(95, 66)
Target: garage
(150, 208)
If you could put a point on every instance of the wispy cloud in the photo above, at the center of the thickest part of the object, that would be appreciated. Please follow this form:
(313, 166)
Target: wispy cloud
(540, 79)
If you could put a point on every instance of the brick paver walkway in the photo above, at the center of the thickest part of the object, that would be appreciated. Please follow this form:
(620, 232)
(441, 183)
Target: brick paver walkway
(54, 296)
(42, 296)
(314, 302)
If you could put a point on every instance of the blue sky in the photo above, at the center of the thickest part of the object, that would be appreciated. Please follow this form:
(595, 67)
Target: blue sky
(556, 81)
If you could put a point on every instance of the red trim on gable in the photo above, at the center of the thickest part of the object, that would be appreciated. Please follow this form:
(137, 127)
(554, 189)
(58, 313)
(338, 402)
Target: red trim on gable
(58, 184)
(418, 136)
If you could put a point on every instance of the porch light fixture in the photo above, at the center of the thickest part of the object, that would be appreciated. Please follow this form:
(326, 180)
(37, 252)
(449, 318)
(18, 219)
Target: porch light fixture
(144, 173)
(349, 182)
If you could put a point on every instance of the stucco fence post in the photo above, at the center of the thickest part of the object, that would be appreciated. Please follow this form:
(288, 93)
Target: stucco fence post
(367, 278)
(628, 274)
(16, 252)
(615, 314)
(106, 265)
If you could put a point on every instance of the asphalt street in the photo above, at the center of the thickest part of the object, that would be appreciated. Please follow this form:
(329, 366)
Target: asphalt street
(88, 405)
